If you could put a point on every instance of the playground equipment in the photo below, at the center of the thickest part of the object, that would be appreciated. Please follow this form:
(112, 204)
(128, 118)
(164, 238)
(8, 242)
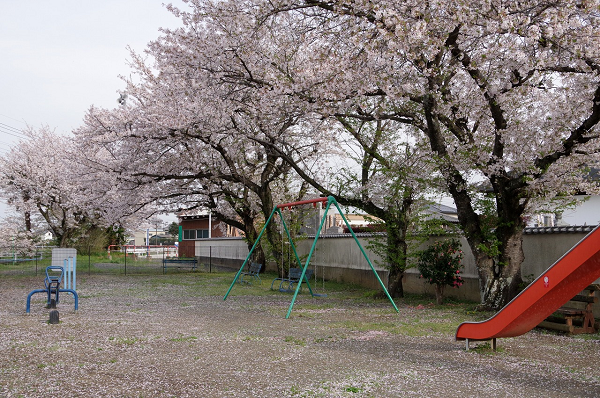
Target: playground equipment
(55, 275)
(567, 277)
(70, 273)
(286, 285)
(302, 278)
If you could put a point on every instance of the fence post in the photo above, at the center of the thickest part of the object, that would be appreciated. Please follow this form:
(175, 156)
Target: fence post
(126, 260)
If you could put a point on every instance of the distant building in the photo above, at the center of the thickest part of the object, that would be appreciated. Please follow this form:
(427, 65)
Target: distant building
(334, 223)
(201, 226)
(141, 237)
(586, 212)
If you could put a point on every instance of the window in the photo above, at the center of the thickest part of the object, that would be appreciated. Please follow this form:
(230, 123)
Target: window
(193, 234)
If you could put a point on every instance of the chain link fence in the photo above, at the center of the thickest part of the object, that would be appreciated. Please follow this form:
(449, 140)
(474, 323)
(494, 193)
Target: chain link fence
(126, 260)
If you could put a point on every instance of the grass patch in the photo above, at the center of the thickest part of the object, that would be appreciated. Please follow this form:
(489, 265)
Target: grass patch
(360, 326)
(184, 339)
(587, 337)
(485, 349)
(295, 341)
(125, 340)
(352, 389)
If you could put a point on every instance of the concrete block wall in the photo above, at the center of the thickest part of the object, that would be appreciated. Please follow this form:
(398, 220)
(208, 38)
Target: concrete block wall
(338, 257)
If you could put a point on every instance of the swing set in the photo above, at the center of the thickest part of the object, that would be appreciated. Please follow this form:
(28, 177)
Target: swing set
(329, 200)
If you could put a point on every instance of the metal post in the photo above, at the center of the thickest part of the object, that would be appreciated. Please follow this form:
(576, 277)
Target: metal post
(364, 254)
(262, 231)
(66, 273)
(74, 270)
(303, 275)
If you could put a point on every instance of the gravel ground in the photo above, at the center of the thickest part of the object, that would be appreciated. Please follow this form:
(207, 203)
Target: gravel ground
(174, 336)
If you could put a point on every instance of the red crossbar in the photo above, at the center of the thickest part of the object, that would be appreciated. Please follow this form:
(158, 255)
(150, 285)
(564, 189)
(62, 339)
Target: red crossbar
(302, 202)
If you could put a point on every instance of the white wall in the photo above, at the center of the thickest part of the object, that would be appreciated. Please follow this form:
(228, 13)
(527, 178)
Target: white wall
(587, 213)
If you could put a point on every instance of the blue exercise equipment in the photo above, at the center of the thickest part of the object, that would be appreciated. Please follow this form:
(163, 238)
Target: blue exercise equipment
(54, 277)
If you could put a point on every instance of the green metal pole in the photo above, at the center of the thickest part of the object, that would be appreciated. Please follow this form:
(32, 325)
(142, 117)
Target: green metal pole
(365, 254)
(250, 253)
(312, 249)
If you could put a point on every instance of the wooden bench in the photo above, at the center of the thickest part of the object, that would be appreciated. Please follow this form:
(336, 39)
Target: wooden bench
(287, 284)
(576, 316)
(179, 263)
(253, 272)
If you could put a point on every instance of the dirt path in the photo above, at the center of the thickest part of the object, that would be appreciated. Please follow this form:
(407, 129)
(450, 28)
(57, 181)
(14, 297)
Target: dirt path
(174, 336)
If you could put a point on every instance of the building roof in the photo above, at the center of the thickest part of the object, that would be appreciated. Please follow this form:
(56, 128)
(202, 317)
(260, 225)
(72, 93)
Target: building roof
(193, 214)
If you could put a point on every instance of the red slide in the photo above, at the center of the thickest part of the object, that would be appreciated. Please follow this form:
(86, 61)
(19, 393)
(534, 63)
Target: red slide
(566, 278)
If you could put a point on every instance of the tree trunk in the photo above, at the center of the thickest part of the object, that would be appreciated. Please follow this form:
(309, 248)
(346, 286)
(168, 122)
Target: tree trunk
(28, 221)
(500, 278)
(395, 288)
(258, 255)
(396, 249)
(439, 294)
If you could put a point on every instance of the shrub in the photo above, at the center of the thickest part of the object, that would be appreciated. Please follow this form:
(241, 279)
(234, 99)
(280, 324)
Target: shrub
(440, 265)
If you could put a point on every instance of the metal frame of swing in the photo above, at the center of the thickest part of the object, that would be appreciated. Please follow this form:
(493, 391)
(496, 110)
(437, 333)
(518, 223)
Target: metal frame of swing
(277, 209)
(286, 283)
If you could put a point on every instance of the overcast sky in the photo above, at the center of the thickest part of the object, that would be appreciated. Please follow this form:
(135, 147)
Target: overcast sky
(59, 57)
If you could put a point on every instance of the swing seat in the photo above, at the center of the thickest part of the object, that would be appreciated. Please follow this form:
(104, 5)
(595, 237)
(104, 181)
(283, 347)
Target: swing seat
(287, 284)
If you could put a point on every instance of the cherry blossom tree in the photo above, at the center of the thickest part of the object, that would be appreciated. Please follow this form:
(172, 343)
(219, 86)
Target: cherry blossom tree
(188, 137)
(36, 180)
(506, 96)
(387, 182)
(46, 180)
(506, 93)
(379, 170)
(219, 51)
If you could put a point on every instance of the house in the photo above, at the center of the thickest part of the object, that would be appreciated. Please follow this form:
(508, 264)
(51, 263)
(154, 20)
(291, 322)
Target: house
(365, 223)
(585, 212)
(200, 226)
(141, 237)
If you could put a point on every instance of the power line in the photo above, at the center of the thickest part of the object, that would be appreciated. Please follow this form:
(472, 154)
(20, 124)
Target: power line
(10, 127)
(5, 142)
(17, 120)
(6, 129)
